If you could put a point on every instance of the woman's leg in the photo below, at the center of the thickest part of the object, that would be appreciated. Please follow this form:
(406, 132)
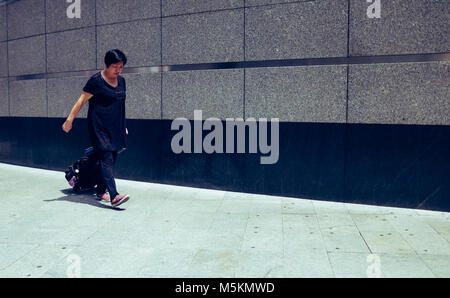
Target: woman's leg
(101, 186)
(106, 165)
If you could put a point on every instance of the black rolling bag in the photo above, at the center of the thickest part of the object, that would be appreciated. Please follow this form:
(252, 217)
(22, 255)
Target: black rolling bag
(82, 174)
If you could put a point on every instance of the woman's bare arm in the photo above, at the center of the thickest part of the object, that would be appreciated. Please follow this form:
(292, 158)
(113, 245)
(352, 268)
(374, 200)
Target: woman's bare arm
(67, 126)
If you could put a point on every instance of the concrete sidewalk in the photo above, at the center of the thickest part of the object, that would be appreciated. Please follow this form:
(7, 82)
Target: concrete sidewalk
(171, 231)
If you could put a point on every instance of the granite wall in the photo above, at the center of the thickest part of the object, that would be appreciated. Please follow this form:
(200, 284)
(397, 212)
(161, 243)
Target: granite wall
(323, 63)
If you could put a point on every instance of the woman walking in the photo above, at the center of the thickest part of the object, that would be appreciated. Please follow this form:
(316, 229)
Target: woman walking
(106, 93)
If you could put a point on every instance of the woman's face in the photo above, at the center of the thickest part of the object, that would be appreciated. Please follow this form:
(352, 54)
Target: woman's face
(114, 70)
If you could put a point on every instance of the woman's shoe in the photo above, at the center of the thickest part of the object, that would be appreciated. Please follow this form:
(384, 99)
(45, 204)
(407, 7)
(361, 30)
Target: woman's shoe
(119, 200)
(104, 197)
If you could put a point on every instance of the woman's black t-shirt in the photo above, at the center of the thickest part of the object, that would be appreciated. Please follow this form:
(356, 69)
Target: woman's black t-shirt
(106, 114)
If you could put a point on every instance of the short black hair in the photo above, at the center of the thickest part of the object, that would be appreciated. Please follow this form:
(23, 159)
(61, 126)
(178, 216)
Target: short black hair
(115, 56)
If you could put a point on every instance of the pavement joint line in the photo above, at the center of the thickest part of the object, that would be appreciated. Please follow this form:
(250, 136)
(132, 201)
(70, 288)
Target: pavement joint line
(359, 231)
(323, 242)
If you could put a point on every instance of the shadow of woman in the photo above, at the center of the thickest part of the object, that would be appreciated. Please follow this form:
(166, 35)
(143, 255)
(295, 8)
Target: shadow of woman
(83, 197)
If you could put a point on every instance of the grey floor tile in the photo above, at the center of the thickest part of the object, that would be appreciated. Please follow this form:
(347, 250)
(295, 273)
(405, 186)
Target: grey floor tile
(260, 264)
(381, 265)
(340, 233)
(372, 222)
(345, 239)
(301, 232)
(173, 231)
(388, 243)
(10, 253)
(195, 219)
(439, 265)
(349, 264)
(329, 207)
(420, 235)
(37, 261)
(168, 262)
(403, 265)
(307, 264)
(227, 221)
(122, 260)
(214, 263)
(440, 224)
(261, 240)
(365, 209)
(297, 206)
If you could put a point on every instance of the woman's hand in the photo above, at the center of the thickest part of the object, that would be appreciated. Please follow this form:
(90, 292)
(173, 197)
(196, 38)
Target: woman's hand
(67, 126)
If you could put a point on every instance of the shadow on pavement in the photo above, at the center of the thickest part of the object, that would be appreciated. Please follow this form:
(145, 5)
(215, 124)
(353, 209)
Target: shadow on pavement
(83, 197)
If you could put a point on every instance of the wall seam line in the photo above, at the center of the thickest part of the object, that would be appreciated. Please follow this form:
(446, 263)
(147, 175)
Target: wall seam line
(243, 99)
(344, 194)
(161, 56)
(46, 56)
(306, 62)
(7, 60)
